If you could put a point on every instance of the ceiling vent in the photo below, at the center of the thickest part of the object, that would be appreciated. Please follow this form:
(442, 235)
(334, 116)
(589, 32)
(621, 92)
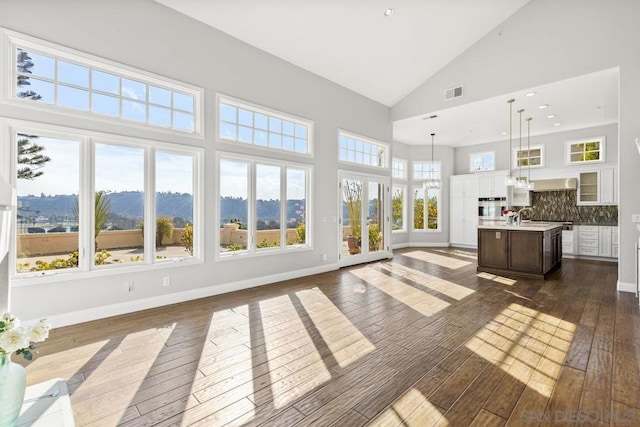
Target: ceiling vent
(454, 92)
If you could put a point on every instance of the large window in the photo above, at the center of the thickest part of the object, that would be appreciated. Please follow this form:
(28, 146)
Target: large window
(52, 76)
(263, 205)
(426, 209)
(362, 151)
(399, 168)
(243, 122)
(398, 207)
(426, 170)
(83, 202)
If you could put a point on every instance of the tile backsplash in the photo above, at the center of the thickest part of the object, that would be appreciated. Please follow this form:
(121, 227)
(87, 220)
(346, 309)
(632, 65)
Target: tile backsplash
(561, 206)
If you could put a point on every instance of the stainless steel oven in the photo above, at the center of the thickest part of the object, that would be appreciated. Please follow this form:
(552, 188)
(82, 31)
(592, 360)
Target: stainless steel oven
(490, 208)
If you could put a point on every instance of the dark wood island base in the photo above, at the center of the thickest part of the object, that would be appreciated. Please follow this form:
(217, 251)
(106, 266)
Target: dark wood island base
(530, 250)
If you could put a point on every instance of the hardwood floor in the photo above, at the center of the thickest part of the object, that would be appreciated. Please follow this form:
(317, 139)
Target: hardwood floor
(418, 341)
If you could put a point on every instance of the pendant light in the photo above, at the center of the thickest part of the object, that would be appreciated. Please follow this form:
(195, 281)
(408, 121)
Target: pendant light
(519, 182)
(510, 180)
(530, 185)
(433, 181)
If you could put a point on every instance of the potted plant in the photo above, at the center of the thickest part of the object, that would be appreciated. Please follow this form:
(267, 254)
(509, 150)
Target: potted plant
(353, 198)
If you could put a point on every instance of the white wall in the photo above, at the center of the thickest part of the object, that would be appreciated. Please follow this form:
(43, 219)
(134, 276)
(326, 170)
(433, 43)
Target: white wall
(547, 41)
(554, 148)
(148, 36)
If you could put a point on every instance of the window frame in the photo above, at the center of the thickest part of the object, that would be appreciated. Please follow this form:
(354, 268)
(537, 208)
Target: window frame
(12, 40)
(88, 139)
(426, 162)
(481, 153)
(269, 112)
(365, 140)
(420, 185)
(404, 163)
(251, 250)
(517, 151)
(602, 141)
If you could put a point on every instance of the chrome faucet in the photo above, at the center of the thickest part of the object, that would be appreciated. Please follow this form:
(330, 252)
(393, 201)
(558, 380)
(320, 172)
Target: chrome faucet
(519, 214)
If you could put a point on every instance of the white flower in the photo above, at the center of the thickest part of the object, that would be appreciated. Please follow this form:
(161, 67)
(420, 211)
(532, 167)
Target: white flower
(40, 331)
(10, 321)
(15, 339)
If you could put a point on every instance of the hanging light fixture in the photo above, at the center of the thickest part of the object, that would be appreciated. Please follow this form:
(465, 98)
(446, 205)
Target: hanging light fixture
(510, 180)
(530, 185)
(433, 181)
(520, 183)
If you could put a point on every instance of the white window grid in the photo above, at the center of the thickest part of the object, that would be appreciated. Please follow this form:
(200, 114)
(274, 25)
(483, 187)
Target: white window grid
(534, 157)
(484, 161)
(362, 151)
(586, 150)
(180, 113)
(241, 121)
(399, 168)
(426, 170)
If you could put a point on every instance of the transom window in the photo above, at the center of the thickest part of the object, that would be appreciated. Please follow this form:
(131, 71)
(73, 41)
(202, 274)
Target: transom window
(589, 150)
(426, 170)
(259, 126)
(362, 151)
(533, 157)
(483, 161)
(59, 77)
(399, 168)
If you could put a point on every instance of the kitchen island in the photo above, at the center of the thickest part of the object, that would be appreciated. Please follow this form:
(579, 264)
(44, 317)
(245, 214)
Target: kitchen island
(531, 249)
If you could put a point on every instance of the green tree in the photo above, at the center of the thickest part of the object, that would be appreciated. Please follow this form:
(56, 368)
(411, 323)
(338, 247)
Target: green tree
(396, 208)
(432, 212)
(164, 228)
(30, 157)
(102, 208)
(353, 197)
(24, 64)
(418, 212)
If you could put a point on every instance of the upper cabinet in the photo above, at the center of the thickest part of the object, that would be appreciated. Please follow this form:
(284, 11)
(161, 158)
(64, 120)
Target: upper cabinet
(491, 184)
(597, 187)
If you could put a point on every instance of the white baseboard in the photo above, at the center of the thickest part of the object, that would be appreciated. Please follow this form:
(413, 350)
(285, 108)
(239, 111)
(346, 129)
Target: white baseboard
(626, 287)
(96, 313)
(400, 245)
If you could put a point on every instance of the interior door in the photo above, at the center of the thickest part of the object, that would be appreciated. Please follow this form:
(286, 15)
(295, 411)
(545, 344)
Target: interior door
(364, 218)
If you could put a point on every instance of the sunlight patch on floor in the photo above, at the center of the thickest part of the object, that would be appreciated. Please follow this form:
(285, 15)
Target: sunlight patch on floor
(336, 329)
(442, 261)
(445, 287)
(410, 409)
(420, 301)
(457, 252)
(529, 345)
(498, 279)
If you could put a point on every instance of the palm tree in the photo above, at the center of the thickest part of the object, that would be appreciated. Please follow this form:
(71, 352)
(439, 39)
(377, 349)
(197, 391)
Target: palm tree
(102, 208)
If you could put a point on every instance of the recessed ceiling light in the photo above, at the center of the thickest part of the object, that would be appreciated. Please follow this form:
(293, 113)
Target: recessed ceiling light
(530, 94)
(388, 12)
(543, 106)
(556, 124)
(551, 116)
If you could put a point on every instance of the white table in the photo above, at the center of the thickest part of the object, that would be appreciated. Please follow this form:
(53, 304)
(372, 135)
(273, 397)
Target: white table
(47, 405)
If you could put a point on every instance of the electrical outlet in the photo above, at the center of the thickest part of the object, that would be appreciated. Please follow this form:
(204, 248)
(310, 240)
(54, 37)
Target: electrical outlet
(128, 286)
(166, 280)
(635, 217)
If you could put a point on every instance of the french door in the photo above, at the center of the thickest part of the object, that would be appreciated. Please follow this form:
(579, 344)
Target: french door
(364, 232)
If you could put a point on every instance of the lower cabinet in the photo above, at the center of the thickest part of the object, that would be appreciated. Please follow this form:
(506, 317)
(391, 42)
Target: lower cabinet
(598, 241)
(492, 251)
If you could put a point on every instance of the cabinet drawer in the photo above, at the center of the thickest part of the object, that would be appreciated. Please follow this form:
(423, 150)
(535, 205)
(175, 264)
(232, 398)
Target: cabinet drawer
(588, 251)
(588, 228)
(588, 243)
(588, 235)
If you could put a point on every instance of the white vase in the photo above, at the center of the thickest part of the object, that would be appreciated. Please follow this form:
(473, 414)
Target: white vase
(13, 380)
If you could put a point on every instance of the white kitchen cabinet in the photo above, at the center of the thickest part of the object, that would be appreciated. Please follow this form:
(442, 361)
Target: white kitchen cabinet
(463, 210)
(604, 241)
(597, 241)
(491, 184)
(597, 187)
(569, 242)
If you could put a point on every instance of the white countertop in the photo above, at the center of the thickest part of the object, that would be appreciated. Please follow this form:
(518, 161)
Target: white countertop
(525, 226)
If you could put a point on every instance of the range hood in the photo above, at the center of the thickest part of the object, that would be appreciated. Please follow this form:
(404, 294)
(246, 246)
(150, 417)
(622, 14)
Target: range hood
(555, 184)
